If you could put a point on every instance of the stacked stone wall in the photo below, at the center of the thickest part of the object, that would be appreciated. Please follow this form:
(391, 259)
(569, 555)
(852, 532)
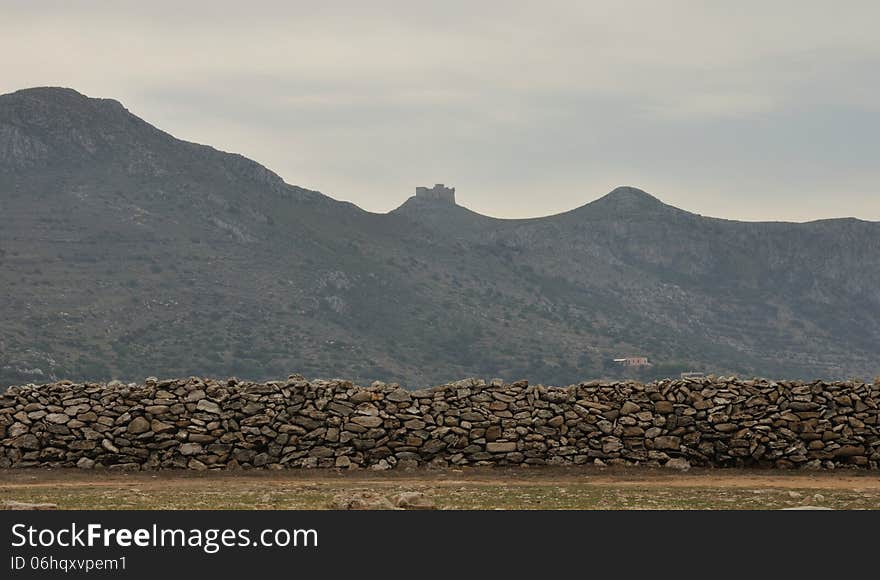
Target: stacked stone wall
(296, 423)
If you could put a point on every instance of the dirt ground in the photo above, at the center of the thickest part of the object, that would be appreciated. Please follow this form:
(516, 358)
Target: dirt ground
(543, 488)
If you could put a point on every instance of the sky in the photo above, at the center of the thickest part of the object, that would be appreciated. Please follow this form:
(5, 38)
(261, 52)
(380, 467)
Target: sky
(754, 110)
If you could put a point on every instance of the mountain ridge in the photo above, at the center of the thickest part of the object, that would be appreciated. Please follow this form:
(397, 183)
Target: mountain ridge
(621, 197)
(125, 251)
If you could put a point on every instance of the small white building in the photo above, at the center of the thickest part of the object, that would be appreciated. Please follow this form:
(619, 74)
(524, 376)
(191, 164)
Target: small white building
(633, 361)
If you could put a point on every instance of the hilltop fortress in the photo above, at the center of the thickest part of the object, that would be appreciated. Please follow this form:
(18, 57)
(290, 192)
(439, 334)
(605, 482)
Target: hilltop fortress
(437, 193)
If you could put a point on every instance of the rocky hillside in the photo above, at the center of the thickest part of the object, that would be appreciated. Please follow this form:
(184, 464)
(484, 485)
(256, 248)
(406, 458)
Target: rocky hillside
(124, 250)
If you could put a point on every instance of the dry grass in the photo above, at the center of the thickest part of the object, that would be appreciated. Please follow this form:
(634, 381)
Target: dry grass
(584, 488)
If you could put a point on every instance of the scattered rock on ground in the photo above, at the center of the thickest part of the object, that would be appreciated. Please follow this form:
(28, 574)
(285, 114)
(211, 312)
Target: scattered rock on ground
(413, 500)
(22, 505)
(679, 463)
(364, 500)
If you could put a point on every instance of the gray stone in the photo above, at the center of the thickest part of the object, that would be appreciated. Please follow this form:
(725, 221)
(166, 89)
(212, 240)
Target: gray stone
(678, 463)
(208, 406)
(360, 501)
(109, 446)
(667, 442)
(23, 505)
(57, 418)
(413, 500)
(138, 425)
(398, 396)
(17, 429)
(501, 447)
(157, 426)
(85, 463)
(193, 396)
(611, 445)
(367, 421)
(190, 448)
(196, 465)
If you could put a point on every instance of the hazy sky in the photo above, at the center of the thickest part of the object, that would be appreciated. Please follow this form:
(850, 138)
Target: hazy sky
(749, 109)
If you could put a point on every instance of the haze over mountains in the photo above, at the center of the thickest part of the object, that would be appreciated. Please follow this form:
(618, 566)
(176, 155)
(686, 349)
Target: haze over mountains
(125, 252)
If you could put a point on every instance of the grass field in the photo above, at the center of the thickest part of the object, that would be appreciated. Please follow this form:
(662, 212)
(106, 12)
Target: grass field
(548, 488)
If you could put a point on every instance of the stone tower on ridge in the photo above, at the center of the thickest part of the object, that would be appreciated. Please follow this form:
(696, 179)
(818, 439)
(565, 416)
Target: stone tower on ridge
(437, 193)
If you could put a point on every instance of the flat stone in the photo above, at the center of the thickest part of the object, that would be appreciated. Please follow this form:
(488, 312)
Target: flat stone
(157, 426)
(413, 500)
(367, 421)
(208, 406)
(501, 446)
(361, 396)
(678, 463)
(364, 500)
(138, 425)
(368, 409)
(433, 446)
(190, 448)
(344, 410)
(849, 451)
(472, 416)
(57, 418)
(193, 396)
(611, 445)
(196, 465)
(22, 505)
(667, 442)
(398, 396)
(26, 441)
(17, 429)
(109, 446)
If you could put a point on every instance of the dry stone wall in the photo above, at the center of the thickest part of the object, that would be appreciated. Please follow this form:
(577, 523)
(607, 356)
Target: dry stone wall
(207, 424)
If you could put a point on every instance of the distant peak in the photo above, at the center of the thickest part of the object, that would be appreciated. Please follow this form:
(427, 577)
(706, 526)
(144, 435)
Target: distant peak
(62, 97)
(53, 91)
(628, 198)
(628, 202)
(627, 193)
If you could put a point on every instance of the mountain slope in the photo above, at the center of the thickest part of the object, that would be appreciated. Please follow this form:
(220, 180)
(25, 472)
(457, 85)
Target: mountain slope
(125, 252)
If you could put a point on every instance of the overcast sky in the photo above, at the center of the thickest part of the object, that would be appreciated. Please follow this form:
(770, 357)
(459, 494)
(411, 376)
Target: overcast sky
(751, 110)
